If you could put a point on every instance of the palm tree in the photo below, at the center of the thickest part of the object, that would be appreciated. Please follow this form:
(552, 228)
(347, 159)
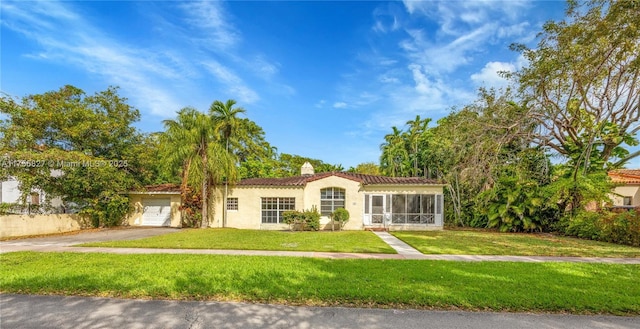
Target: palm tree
(415, 134)
(226, 121)
(190, 143)
(393, 153)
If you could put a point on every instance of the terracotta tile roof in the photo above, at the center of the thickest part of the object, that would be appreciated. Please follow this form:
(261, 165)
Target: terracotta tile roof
(361, 178)
(162, 188)
(627, 176)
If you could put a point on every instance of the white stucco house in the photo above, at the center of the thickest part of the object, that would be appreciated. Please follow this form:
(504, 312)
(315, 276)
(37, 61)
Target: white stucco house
(10, 194)
(375, 202)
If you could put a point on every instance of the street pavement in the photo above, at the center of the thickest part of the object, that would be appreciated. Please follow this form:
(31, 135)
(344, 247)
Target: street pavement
(27, 311)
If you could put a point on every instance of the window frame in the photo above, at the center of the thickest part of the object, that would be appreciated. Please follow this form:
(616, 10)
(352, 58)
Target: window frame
(331, 201)
(233, 204)
(273, 207)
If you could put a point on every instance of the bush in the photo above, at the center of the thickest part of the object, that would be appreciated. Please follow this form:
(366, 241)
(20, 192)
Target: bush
(623, 228)
(109, 210)
(341, 216)
(302, 220)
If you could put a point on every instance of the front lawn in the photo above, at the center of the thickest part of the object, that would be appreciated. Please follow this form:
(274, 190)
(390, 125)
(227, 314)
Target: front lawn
(496, 286)
(477, 242)
(344, 241)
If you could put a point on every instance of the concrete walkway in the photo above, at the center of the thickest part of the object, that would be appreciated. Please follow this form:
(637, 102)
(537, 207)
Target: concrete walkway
(64, 244)
(400, 246)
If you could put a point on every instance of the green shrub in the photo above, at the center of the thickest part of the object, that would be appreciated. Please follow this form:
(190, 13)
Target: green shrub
(311, 219)
(584, 225)
(341, 216)
(622, 228)
(109, 210)
(302, 220)
(291, 218)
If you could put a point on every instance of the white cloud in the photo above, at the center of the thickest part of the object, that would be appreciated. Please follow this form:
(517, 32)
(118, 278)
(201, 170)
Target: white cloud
(489, 75)
(235, 85)
(85, 46)
(339, 105)
(211, 20)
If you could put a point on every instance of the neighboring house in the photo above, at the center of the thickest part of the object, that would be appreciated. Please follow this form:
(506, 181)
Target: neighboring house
(627, 191)
(396, 203)
(35, 201)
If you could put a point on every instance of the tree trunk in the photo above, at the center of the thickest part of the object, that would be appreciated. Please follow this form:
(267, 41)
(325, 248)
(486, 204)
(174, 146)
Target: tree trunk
(205, 187)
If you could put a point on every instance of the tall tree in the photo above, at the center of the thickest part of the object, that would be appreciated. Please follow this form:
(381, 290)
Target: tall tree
(85, 148)
(394, 153)
(227, 122)
(414, 138)
(190, 142)
(582, 84)
(367, 168)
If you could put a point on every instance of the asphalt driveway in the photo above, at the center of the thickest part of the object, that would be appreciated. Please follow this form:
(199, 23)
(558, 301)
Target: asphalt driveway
(129, 233)
(23, 311)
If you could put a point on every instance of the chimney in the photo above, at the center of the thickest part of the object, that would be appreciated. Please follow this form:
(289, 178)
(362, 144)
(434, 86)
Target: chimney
(307, 169)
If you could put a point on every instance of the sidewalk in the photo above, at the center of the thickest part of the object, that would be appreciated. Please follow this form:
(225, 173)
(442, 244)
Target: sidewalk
(404, 252)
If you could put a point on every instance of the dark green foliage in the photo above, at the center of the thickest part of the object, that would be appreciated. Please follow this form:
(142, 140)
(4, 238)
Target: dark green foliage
(307, 220)
(87, 150)
(108, 210)
(514, 206)
(621, 227)
(341, 216)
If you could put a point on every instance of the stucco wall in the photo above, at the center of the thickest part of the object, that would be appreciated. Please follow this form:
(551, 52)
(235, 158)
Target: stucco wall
(24, 225)
(628, 190)
(249, 213)
(353, 200)
(135, 200)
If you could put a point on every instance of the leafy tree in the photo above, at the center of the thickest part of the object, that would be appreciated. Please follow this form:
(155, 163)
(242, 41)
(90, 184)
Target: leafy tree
(86, 150)
(289, 165)
(582, 88)
(367, 168)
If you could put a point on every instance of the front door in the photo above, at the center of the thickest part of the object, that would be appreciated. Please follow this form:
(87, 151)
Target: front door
(375, 206)
(377, 209)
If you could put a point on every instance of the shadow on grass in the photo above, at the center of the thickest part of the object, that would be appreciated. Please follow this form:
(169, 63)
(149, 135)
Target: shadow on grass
(500, 286)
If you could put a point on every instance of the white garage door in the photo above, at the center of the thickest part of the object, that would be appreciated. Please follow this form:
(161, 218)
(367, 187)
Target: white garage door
(157, 212)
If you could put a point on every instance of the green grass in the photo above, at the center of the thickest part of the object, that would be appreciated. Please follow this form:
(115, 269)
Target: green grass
(460, 242)
(345, 241)
(499, 286)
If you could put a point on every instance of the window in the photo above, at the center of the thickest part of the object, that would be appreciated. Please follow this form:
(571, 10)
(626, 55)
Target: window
(232, 203)
(272, 209)
(627, 201)
(35, 199)
(331, 199)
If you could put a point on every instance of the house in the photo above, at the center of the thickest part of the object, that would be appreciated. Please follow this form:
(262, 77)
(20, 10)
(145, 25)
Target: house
(396, 203)
(157, 205)
(35, 202)
(627, 190)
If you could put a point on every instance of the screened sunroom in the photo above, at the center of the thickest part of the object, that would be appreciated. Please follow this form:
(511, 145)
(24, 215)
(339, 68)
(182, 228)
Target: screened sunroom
(403, 209)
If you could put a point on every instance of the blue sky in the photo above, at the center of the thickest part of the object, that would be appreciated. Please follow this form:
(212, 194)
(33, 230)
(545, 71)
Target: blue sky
(324, 79)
